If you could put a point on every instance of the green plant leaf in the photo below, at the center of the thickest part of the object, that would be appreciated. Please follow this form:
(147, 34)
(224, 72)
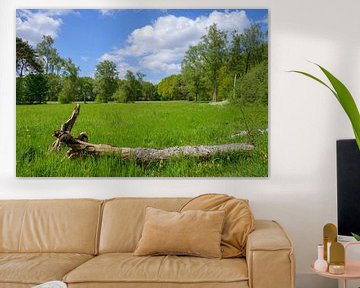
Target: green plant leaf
(347, 102)
(356, 236)
(344, 97)
(316, 79)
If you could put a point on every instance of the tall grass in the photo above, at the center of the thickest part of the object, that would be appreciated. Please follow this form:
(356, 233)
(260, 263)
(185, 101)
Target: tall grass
(155, 125)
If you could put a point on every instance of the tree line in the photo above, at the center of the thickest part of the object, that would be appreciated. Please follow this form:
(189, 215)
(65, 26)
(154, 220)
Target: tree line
(219, 67)
(223, 66)
(43, 75)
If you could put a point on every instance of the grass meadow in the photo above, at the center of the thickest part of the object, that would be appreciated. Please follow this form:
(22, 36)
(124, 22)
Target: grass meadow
(151, 124)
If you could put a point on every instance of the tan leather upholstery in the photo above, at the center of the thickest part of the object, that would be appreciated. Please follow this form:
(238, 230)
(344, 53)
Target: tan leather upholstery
(73, 225)
(68, 226)
(269, 256)
(123, 220)
(126, 268)
(242, 284)
(15, 285)
(239, 220)
(36, 268)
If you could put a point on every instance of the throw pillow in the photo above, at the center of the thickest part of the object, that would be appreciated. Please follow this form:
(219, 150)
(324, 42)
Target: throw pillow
(196, 233)
(238, 223)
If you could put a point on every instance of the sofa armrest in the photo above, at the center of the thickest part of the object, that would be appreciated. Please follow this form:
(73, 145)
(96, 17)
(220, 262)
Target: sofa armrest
(269, 256)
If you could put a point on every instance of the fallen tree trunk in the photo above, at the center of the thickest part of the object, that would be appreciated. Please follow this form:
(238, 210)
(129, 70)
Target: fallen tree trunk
(79, 146)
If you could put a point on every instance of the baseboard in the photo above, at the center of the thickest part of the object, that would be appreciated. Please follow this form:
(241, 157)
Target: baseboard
(310, 280)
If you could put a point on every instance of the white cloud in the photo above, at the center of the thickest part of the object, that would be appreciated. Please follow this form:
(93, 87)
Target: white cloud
(113, 56)
(123, 67)
(165, 60)
(106, 12)
(262, 21)
(162, 45)
(31, 25)
(84, 58)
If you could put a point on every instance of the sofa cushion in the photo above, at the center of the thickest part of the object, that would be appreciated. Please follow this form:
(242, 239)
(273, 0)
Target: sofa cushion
(123, 220)
(193, 232)
(63, 226)
(126, 268)
(15, 285)
(237, 284)
(238, 223)
(36, 268)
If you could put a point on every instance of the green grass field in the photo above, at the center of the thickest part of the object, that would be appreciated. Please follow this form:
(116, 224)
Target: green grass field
(153, 124)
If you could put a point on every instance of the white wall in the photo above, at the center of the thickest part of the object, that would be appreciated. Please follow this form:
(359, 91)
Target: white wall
(305, 120)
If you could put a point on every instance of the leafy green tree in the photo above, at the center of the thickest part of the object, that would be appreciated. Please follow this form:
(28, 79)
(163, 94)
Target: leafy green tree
(120, 95)
(86, 92)
(214, 50)
(252, 87)
(66, 95)
(166, 88)
(70, 69)
(20, 90)
(180, 90)
(149, 92)
(226, 83)
(131, 88)
(139, 76)
(235, 60)
(192, 69)
(55, 86)
(27, 60)
(252, 45)
(247, 64)
(36, 88)
(54, 65)
(49, 55)
(70, 83)
(172, 88)
(59, 66)
(155, 95)
(106, 76)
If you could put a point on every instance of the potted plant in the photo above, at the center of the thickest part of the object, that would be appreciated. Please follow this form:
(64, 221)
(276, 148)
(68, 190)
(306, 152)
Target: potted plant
(346, 100)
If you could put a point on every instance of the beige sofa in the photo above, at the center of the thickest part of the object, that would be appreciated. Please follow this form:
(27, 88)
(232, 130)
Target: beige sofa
(89, 243)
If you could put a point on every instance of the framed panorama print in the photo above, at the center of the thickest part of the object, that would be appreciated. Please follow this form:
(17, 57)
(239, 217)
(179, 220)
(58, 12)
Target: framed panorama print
(142, 93)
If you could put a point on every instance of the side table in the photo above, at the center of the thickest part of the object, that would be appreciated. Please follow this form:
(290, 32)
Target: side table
(352, 268)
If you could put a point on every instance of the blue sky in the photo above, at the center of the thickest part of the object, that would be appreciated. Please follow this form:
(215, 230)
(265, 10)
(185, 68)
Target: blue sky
(150, 41)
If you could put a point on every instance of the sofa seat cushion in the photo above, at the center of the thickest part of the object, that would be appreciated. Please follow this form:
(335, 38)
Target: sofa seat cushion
(36, 268)
(127, 268)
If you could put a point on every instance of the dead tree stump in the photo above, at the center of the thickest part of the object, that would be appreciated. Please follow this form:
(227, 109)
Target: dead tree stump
(65, 129)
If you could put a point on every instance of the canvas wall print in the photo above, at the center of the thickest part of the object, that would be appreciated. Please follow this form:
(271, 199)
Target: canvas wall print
(142, 93)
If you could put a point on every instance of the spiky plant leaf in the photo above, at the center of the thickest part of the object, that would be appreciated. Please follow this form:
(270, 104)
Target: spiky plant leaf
(356, 236)
(344, 97)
